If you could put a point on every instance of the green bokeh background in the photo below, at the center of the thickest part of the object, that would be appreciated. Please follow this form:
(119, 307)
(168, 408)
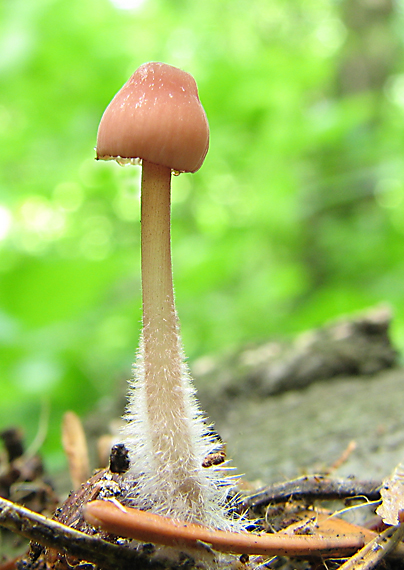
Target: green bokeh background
(297, 215)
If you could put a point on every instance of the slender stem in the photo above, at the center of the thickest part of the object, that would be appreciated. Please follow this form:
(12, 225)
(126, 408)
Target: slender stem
(157, 283)
(166, 405)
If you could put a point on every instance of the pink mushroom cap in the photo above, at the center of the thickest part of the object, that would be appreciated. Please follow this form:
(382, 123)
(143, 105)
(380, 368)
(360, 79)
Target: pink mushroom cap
(156, 116)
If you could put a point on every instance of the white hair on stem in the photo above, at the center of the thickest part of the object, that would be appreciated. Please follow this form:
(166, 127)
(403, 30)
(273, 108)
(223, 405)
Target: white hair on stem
(172, 481)
(165, 433)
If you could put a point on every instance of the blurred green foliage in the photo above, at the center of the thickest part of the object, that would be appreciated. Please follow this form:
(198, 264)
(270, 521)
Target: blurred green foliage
(296, 216)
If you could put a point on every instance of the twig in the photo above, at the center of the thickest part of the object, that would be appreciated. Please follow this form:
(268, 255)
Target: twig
(377, 549)
(313, 487)
(148, 527)
(343, 458)
(66, 540)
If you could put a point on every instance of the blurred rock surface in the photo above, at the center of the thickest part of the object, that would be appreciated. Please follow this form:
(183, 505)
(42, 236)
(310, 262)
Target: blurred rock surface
(286, 410)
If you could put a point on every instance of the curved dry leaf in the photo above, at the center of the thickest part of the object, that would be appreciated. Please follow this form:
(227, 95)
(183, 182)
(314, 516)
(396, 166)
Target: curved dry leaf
(392, 493)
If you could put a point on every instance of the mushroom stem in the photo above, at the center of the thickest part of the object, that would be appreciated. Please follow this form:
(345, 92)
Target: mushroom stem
(157, 282)
(165, 392)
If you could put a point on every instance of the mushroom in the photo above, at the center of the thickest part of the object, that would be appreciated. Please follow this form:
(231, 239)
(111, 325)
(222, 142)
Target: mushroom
(158, 120)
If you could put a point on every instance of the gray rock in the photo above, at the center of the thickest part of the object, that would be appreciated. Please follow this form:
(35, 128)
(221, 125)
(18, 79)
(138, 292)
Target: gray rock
(306, 431)
(286, 410)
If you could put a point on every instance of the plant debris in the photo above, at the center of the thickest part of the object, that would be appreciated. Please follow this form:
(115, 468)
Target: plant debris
(285, 515)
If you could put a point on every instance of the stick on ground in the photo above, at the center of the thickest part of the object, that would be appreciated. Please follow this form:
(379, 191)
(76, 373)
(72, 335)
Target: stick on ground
(313, 487)
(66, 540)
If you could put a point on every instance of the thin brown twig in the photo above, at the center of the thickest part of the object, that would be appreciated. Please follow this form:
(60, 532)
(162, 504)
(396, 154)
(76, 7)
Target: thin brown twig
(66, 540)
(313, 487)
(343, 458)
(149, 527)
(376, 550)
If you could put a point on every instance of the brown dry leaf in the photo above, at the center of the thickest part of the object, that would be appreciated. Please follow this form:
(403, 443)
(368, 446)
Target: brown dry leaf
(392, 493)
(75, 446)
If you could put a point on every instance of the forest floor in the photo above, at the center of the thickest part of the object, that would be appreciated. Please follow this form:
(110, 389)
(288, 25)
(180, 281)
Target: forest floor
(330, 402)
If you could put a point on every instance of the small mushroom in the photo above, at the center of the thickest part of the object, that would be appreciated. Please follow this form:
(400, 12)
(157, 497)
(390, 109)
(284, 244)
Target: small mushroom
(157, 118)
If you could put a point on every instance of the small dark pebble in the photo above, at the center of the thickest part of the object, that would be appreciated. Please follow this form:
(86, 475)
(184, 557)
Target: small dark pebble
(147, 548)
(119, 459)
